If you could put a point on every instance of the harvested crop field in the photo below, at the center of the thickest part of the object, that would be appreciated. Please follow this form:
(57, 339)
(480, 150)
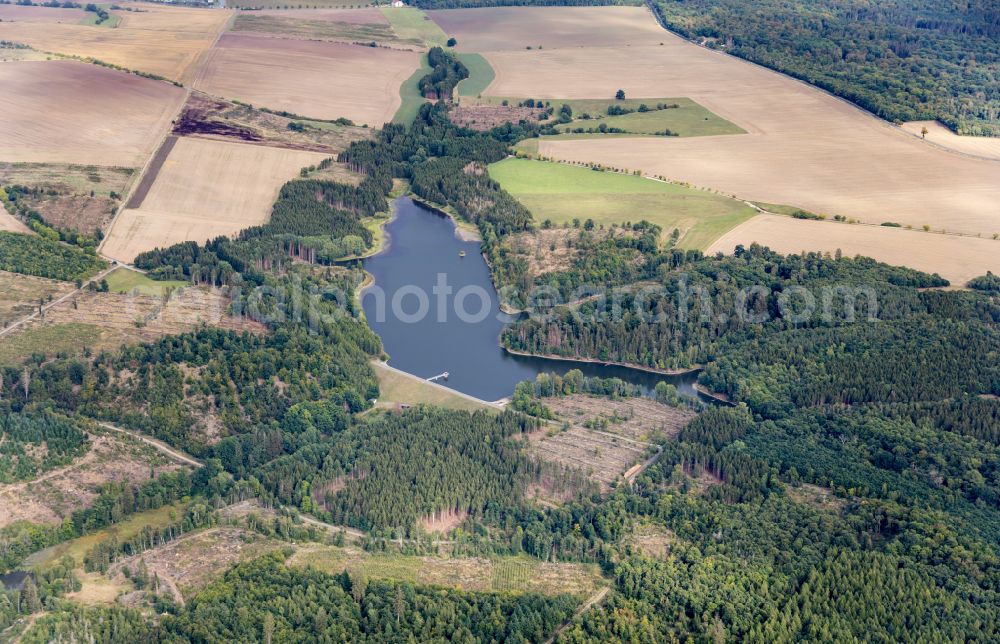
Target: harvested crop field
(20, 13)
(515, 28)
(803, 146)
(981, 146)
(322, 80)
(205, 189)
(71, 112)
(957, 259)
(167, 41)
(59, 492)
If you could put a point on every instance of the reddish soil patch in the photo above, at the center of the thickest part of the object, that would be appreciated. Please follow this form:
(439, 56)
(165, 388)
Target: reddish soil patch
(18, 13)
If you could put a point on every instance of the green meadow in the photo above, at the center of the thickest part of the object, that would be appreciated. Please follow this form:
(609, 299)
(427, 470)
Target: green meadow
(562, 193)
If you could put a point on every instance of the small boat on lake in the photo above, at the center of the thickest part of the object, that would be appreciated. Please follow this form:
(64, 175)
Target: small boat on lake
(461, 253)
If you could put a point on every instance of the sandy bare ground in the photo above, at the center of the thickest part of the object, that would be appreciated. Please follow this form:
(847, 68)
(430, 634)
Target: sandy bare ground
(957, 259)
(980, 146)
(17, 13)
(11, 224)
(205, 189)
(168, 41)
(71, 112)
(515, 28)
(318, 79)
(804, 148)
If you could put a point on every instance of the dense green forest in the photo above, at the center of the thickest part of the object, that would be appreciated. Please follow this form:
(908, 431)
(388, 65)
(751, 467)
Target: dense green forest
(447, 71)
(44, 257)
(903, 60)
(989, 283)
(678, 319)
(33, 444)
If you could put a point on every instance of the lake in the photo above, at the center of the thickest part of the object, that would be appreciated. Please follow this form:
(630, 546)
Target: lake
(437, 312)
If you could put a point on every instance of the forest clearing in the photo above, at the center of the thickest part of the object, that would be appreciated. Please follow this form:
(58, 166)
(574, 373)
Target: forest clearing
(205, 189)
(518, 28)
(605, 438)
(52, 496)
(293, 76)
(70, 112)
(510, 574)
(353, 27)
(98, 321)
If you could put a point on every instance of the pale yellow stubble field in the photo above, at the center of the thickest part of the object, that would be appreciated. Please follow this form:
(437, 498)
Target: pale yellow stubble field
(205, 189)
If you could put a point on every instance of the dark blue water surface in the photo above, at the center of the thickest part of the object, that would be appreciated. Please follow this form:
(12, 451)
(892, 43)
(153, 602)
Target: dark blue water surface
(422, 252)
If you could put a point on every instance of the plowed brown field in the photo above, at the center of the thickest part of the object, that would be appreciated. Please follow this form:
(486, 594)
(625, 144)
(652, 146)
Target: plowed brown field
(323, 80)
(70, 112)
